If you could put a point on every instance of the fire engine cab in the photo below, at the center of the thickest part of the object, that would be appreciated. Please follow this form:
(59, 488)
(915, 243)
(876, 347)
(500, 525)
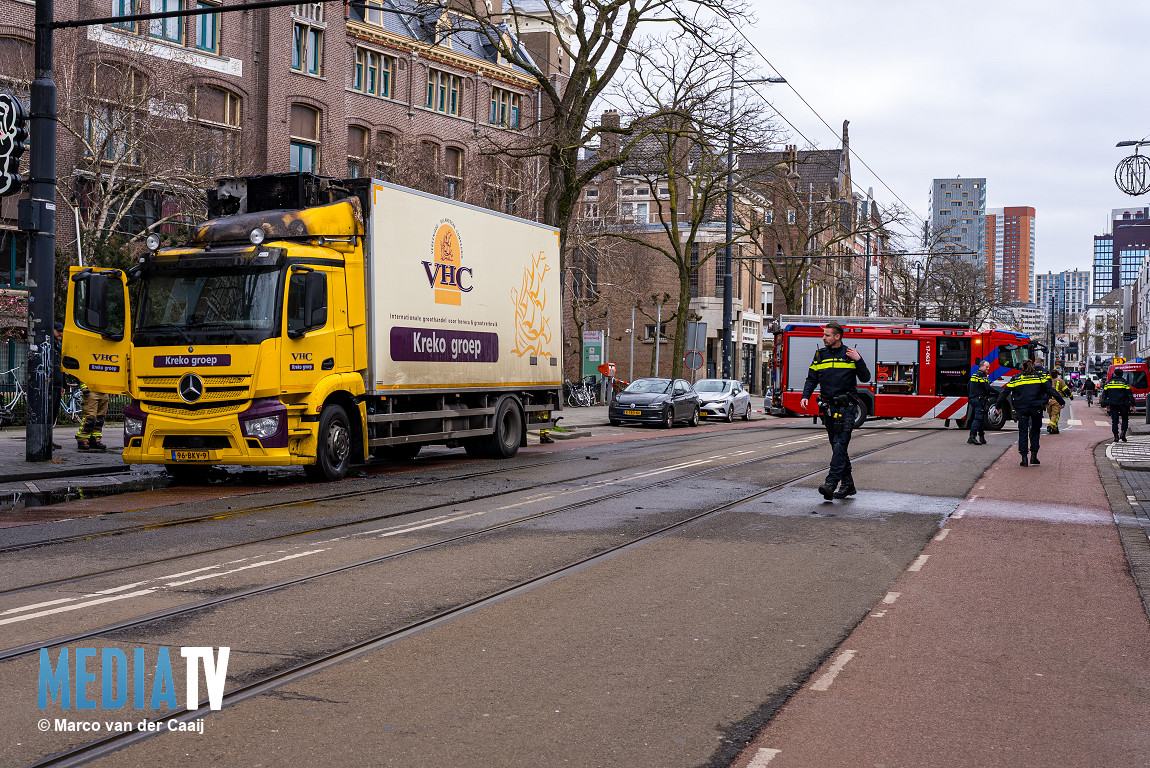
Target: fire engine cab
(919, 369)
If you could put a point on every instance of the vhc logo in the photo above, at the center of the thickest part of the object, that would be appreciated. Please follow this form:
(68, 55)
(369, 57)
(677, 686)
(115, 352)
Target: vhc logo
(191, 387)
(445, 273)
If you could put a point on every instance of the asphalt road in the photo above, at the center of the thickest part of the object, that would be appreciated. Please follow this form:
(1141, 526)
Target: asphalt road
(668, 649)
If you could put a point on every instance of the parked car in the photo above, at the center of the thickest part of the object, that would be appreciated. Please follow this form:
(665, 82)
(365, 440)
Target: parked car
(724, 399)
(656, 401)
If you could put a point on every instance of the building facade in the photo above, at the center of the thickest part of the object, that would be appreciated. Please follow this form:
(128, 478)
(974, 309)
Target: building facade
(1069, 290)
(957, 210)
(1010, 235)
(1120, 253)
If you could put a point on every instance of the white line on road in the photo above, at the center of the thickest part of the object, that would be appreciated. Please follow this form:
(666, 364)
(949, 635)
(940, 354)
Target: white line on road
(1074, 422)
(242, 568)
(114, 590)
(828, 677)
(1098, 423)
(890, 597)
(919, 562)
(763, 758)
(37, 605)
(432, 525)
(879, 615)
(942, 534)
(76, 607)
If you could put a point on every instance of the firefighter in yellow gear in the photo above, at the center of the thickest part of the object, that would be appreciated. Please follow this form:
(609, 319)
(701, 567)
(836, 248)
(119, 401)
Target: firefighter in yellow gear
(1054, 408)
(93, 407)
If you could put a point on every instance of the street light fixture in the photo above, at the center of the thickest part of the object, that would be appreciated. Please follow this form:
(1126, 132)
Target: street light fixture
(728, 282)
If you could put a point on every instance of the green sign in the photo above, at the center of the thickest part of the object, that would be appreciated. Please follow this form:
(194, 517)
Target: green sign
(592, 352)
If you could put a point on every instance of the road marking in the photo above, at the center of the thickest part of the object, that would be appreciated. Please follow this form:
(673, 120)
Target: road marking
(76, 606)
(32, 487)
(890, 597)
(1074, 422)
(37, 605)
(1098, 423)
(919, 562)
(824, 682)
(763, 758)
(958, 513)
(509, 506)
(879, 615)
(432, 525)
(942, 534)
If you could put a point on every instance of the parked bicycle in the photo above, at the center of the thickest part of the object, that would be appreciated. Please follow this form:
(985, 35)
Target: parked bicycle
(11, 395)
(582, 395)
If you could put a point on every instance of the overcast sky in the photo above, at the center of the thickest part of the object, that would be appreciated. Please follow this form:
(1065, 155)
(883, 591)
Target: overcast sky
(1031, 95)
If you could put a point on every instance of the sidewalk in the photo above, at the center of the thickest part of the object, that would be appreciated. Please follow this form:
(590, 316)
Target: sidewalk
(1017, 638)
(66, 461)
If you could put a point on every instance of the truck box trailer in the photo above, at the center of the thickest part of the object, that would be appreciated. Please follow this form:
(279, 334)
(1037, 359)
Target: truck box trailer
(319, 322)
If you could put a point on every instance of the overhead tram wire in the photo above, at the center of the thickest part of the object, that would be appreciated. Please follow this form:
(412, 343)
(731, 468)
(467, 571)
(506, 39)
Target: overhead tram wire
(791, 85)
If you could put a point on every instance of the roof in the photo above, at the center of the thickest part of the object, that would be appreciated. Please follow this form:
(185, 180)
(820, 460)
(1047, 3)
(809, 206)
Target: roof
(818, 167)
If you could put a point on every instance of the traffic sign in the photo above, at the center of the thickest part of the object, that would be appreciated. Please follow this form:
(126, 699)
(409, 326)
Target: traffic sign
(1062, 340)
(693, 360)
(1119, 360)
(13, 135)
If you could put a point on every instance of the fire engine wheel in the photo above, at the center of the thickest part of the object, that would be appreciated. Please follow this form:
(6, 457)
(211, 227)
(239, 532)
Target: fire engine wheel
(504, 442)
(995, 418)
(962, 424)
(333, 449)
(860, 413)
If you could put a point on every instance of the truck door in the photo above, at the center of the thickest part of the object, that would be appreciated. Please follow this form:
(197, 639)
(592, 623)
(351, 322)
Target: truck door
(98, 329)
(309, 328)
(952, 366)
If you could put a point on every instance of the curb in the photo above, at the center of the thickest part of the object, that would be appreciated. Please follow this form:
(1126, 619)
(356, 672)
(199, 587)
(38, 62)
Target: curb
(1133, 523)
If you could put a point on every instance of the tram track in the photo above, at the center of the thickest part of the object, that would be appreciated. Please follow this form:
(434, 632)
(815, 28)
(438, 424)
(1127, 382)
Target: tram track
(168, 613)
(100, 748)
(295, 534)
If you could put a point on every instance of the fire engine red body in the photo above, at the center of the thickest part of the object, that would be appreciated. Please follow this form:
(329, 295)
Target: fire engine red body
(917, 369)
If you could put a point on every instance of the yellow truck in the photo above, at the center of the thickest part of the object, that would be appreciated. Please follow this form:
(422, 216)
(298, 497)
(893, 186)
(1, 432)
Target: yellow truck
(319, 322)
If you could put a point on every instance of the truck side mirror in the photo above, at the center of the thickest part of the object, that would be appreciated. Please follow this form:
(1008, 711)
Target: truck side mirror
(315, 300)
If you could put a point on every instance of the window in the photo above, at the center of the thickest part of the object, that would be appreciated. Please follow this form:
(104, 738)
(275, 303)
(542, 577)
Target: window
(385, 154)
(694, 279)
(307, 39)
(590, 192)
(356, 151)
(769, 215)
(207, 29)
(650, 331)
(124, 8)
(443, 92)
(304, 139)
(218, 113)
(373, 13)
(373, 72)
(171, 30)
(504, 108)
(790, 215)
(453, 173)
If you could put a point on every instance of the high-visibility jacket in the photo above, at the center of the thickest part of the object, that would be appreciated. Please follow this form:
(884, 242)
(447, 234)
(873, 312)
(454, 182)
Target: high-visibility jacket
(979, 391)
(1117, 394)
(1029, 392)
(834, 373)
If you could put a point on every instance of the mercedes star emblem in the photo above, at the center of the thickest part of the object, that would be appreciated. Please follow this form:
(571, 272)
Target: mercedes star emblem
(191, 387)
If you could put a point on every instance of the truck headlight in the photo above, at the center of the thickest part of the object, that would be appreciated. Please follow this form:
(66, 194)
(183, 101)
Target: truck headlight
(263, 427)
(133, 427)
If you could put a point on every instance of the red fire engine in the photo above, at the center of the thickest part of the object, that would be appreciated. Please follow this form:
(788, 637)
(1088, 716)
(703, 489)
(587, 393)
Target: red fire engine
(918, 368)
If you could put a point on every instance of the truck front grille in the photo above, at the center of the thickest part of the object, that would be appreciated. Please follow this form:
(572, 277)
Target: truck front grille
(218, 390)
(195, 410)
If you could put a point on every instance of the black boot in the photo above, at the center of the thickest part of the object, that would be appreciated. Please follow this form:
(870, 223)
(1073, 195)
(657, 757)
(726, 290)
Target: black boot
(1024, 462)
(827, 490)
(1034, 458)
(971, 440)
(846, 489)
(1122, 437)
(981, 439)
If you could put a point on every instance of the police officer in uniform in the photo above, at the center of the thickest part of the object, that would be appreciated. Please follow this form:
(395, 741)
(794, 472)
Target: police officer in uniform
(834, 371)
(1117, 398)
(977, 395)
(1028, 393)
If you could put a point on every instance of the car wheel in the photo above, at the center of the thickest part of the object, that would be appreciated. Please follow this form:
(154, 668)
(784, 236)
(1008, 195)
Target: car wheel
(747, 414)
(730, 413)
(694, 422)
(333, 449)
(668, 418)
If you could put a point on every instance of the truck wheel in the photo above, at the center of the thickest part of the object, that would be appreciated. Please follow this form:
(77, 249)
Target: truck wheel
(504, 442)
(188, 474)
(333, 447)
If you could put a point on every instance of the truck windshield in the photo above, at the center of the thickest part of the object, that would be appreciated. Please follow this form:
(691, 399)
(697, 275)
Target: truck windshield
(1011, 356)
(216, 307)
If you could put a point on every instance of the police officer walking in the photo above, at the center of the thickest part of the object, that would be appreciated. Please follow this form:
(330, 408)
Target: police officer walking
(1117, 398)
(977, 396)
(834, 371)
(1028, 393)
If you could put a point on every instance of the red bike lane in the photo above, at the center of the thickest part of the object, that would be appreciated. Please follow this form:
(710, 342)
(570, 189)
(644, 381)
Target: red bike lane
(1017, 638)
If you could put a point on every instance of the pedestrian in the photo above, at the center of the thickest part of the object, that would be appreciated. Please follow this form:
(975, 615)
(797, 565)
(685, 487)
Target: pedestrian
(93, 406)
(1117, 399)
(977, 396)
(1053, 409)
(1089, 387)
(1027, 394)
(835, 370)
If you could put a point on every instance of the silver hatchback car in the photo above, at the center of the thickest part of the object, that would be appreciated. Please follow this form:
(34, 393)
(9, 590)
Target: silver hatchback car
(724, 398)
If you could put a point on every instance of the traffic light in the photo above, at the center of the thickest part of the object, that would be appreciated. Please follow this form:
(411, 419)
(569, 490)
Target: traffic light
(13, 142)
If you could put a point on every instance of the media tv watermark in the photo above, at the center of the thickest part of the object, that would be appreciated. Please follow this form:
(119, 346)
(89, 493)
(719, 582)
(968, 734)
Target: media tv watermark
(90, 679)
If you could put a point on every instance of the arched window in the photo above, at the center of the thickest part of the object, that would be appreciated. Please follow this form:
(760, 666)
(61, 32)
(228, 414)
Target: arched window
(357, 151)
(218, 112)
(304, 132)
(453, 172)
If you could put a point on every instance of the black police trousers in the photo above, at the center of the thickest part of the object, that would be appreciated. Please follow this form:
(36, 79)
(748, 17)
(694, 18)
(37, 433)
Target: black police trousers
(1116, 415)
(839, 434)
(976, 414)
(1029, 429)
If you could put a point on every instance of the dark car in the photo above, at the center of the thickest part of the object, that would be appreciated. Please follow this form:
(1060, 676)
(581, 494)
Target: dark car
(656, 401)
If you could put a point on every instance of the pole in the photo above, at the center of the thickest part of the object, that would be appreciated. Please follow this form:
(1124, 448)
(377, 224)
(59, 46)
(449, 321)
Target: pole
(866, 216)
(728, 287)
(607, 357)
(38, 216)
(658, 333)
(1050, 349)
(631, 363)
